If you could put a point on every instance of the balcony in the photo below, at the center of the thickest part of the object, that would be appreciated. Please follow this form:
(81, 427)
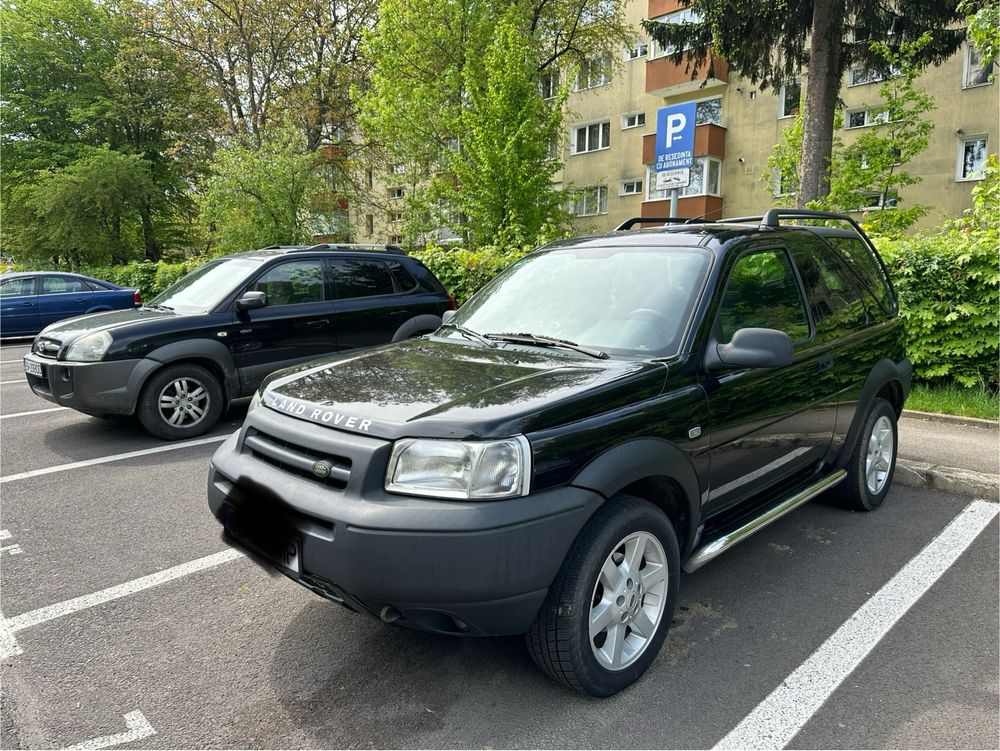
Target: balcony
(709, 140)
(705, 207)
(666, 78)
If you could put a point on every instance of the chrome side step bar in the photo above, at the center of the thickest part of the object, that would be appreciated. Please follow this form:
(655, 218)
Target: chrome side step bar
(707, 552)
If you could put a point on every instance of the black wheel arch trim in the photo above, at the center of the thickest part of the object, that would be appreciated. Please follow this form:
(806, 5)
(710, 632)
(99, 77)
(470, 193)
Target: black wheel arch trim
(643, 458)
(885, 371)
(415, 325)
(199, 349)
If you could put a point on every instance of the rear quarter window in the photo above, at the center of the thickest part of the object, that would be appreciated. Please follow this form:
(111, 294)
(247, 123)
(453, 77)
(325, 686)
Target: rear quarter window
(860, 258)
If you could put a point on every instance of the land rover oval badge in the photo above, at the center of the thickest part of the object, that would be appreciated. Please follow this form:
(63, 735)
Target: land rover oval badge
(322, 469)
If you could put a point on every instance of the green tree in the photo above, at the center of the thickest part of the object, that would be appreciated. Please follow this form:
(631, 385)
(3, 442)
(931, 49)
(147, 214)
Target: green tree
(502, 183)
(262, 194)
(769, 43)
(984, 28)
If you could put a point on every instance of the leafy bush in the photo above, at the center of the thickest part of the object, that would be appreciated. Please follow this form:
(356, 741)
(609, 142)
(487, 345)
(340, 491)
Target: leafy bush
(463, 272)
(150, 278)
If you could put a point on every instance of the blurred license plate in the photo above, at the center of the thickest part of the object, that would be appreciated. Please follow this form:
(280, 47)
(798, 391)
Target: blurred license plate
(32, 368)
(281, 548)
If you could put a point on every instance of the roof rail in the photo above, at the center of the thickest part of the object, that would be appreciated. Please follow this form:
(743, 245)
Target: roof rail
(367, 247)
(773, 217)
(630, 223)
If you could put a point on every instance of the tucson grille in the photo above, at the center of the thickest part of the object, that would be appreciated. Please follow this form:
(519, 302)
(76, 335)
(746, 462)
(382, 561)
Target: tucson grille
(45, 347)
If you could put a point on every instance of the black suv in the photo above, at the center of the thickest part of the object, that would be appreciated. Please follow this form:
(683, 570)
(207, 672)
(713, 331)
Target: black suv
(217, 332)
(608, 410)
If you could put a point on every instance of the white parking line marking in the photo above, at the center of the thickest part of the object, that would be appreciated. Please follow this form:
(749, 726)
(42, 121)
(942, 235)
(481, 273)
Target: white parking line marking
(10, 362)
(777, 719)
(33, 412)
(11, 550)
(8, 644)
(112, 458)
(8, 383)
(138, 728)
(68, 607)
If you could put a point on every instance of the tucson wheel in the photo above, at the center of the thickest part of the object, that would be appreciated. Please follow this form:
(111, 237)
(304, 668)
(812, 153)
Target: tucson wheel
(608, 610)
(180, 401)
(869, 472)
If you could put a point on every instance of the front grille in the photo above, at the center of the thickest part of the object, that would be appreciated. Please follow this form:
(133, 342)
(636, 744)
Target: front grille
(46, 347)
(298, 460)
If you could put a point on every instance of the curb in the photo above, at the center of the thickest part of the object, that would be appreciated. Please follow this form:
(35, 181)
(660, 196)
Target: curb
(977, 422)
(916, 474)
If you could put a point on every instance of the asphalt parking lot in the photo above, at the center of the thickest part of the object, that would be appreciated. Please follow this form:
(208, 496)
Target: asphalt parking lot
(126, 623)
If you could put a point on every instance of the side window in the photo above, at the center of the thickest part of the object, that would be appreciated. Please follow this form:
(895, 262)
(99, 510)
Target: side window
(353, 277)
(762, 293)
(404, 280)
(54, 285)
(292, 283)
(834, 293)
(866, 266)
(20, 287)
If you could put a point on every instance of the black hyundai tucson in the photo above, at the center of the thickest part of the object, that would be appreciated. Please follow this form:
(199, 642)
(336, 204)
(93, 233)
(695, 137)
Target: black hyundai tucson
(605, 413)
(218, 331)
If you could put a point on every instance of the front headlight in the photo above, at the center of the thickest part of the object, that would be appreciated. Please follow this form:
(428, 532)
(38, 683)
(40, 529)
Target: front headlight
(90, 348)
(471, 470)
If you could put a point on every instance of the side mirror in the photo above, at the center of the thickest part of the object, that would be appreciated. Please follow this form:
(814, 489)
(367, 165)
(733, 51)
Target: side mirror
(447, 316)
(751, 348)
(251, 300)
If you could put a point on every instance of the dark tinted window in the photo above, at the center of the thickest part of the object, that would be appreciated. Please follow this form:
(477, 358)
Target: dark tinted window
(866, 266)
(24, 285)
(353, 277)
(292, 283)
(833, 291)
(54, 285)
(404, 281)
(762, 293)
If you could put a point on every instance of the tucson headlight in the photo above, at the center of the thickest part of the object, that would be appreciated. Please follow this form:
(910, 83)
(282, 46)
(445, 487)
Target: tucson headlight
(90, 348)
(474, 470)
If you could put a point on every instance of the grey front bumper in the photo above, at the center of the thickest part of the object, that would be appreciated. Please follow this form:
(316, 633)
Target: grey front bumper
(95, 388)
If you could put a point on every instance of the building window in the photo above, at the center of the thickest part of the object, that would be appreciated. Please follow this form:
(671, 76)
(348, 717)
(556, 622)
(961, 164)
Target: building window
(971, 158)
(637, 50)
(784, 185)
(976, 74)
(548, 84)
(396, 192)
(593, 137)
(370, 178)
(395, 216)
(631, 188)
(706, 179)
(862, 76)
(709, 111)
(598, 11)
(399, 169)
(590, 201)
(875, 200)
(453, 144)
(395, 239)
(789, 98)
(369, 225)
(864, 118)
(633, 120)
(593, 73)
(689, 15)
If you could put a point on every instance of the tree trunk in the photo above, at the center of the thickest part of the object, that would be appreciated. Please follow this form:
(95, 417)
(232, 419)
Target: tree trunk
(148, 239)
(822, 89)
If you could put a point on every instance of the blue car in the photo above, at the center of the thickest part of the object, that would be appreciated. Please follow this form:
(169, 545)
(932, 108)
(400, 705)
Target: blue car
(31, 300)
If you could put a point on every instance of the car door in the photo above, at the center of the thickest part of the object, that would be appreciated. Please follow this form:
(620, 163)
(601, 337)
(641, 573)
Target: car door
(60, 297)
(18, 306)
(370, 304)
(768, 426)
(296, 325)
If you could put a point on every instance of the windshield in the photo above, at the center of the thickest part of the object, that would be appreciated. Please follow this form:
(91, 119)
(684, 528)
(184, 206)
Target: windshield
(206, 286)
(623, 301)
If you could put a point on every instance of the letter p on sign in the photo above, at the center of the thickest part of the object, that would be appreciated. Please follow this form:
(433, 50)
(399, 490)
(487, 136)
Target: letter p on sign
(676, 123)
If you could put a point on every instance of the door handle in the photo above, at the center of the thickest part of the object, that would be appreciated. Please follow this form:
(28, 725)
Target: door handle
(318, 324)
(79, 299)
(825, 362)
(28, 304)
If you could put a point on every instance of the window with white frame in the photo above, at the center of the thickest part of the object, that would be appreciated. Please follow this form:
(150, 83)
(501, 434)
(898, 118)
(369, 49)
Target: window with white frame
(395, 239)
(971, 158)
(709, 111)
(598, 11)
(864, 118)
(453, 144)
(686, 16)
(783, 184)
(395, 216)
(706, 179)
(631, 188)
(633, 120)
(548, 84)
(592, 137)
(590, 201)
(875, 200)
(637, 50)
(789, 99)
(397, 192)
(863, 76)
(593, 73)
(399, 169)
(976, 74)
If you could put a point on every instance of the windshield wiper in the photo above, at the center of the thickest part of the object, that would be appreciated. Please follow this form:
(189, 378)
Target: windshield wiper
(158, 306)
(519, 337)
(469, 333)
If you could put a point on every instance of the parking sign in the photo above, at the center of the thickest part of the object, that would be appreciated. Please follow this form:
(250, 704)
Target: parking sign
(675, 136)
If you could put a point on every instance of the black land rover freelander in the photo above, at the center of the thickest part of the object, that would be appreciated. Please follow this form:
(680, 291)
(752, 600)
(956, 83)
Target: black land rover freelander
(606, 412)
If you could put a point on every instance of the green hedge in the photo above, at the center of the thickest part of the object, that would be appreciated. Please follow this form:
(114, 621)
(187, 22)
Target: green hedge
(463, 272)
(150, 278)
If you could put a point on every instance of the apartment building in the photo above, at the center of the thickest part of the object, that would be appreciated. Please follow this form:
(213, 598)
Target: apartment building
(610, 126)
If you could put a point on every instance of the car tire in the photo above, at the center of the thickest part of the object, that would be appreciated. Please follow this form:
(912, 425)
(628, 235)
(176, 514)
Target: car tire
(873, 461)
(560, 640)
(180, 401)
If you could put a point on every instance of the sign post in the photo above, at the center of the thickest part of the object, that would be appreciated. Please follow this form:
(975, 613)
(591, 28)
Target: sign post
(674, 149)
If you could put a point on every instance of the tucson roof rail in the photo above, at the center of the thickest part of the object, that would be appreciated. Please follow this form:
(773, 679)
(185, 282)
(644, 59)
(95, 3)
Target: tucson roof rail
(368, 247)
(630, 223)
